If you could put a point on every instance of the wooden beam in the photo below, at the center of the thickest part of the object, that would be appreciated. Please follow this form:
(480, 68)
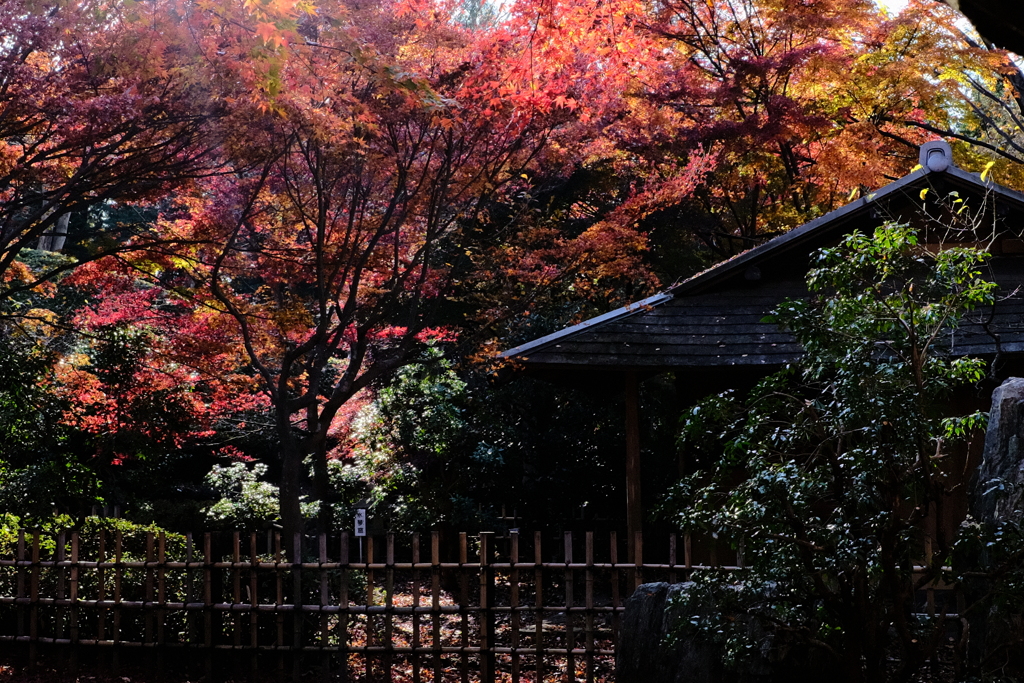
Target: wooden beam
(634, 511)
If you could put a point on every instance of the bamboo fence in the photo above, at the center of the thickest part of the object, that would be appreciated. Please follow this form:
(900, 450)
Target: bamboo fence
(481, 608)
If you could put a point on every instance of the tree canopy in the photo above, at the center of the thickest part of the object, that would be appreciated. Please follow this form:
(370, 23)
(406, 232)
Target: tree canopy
(225, 226)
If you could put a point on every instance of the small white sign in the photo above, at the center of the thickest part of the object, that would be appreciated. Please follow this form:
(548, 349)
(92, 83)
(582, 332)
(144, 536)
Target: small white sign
(360, 521)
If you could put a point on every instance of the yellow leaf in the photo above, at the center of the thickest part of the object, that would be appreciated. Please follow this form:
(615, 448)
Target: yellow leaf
(988, 167)
(853, 193)
(924, 192)
(916, 168)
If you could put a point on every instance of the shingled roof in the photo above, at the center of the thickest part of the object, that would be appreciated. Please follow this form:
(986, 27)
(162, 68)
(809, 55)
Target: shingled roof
(713, 320)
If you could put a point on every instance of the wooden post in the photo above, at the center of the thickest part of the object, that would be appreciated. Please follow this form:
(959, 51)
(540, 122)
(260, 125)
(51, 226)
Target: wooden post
(61, 611)
(538, 604)
(254, 631)
(514, 602)
(487, 631)
(464, 605)
(570, 636)
(161, 597)
(435, 602)
(280, 642)
(371, 640)
(343, 636)
(589, 643)
(415, 606)
(33, 596)
(634, 512)
(389, 603)
(613, 542)
(325, 594)
(118, 575)
(297, 602)
(73, 609)
(208, 605)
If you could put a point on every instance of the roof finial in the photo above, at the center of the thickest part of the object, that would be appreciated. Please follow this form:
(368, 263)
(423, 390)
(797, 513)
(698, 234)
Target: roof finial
(936, 156)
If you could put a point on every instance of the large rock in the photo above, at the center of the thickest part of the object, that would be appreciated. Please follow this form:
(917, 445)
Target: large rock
(643, 654)
(996, 496)
(653, 648)
(998, 485)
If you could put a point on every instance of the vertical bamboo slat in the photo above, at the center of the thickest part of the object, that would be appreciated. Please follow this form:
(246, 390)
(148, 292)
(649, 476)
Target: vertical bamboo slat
(343, 632)
(118, 577)
(236, 588)
(514, 602)
(589, 604)
(325, 600)
(638, 557)
(161, 596)
(389, 603)
(370, 639)
(33, 597)
(435, 602)
(20, 584)
(463, 602)
(60, 555)
(538, 619)
(190, 596)
(254, 631)
(415, 609)
(148, 614)
(487, 644)
(613, 542)
(570, 635)
(208, 604)
(279, 594)
(101, 588)
(688, 554)
(73, 596)
(297, 603)
(672, 558)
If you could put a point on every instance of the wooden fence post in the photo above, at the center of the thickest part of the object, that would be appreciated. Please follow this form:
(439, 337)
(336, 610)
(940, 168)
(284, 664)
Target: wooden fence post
(325, 655)
(118, 578)
(343, 633)
(487, 644)
(235, 618)
(613, 541)
(20, 592)
(33, 597)
(278, 614)
(570, 636)
(435, 603)
(370, 635)
(589, 644)
(416, 609)
(148, 597)
(538, 619)
(161, 597)
(297, 602)
(208, 605)
(254, 615)
(61, 610)
(389, 603)
(638, 557)
(101, 596)
(463, 602)
(73, 609)
(514, 602)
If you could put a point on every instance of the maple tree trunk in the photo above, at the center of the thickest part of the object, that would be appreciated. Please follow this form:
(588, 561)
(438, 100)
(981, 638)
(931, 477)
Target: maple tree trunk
(322, 489)
(290, 491)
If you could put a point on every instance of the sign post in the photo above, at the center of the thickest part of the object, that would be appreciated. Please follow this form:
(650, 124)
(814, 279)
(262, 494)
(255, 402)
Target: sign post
(360, 529)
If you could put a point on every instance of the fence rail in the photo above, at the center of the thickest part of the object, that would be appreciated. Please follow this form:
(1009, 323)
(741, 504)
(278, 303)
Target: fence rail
(518, 607)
